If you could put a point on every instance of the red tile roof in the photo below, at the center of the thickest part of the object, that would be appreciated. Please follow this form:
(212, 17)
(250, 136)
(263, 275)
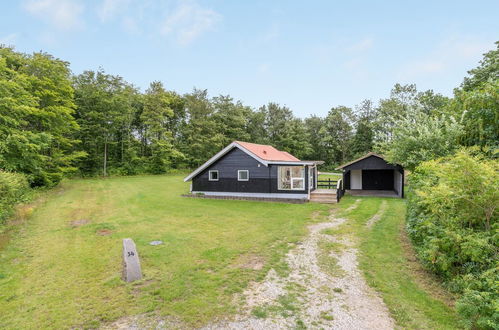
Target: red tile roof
(267, 152)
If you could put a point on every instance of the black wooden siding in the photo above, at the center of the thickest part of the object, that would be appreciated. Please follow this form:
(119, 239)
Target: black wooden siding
(372, 163)
(346, 180)
(262, 179)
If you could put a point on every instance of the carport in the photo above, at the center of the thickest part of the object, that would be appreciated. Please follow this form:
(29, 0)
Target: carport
(372, 175)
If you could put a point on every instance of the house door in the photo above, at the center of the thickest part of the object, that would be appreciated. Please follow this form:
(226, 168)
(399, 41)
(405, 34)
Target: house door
(377, 179)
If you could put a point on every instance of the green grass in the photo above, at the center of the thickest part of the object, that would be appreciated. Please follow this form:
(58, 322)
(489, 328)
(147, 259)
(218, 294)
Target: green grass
(414, 299)
(55, 275)
(330, 176)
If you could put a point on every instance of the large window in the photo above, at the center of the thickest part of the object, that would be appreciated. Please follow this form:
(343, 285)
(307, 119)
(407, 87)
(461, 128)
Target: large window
(242, 175)
(213, 175)
(291, 178)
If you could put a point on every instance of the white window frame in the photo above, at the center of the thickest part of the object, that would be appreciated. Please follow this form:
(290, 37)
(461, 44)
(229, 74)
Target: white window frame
(247, 176)
(311, 177)
(213, 171)
(292, 179)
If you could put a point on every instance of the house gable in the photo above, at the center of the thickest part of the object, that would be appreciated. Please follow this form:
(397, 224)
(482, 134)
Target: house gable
(227, 167)
(371, 162)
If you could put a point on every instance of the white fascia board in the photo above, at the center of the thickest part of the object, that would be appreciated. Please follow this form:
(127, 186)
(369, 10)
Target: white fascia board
(220, 154)
(291, 162)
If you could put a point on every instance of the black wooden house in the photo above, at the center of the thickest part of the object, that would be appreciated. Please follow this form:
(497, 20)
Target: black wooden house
(373, 175)
(251, 170)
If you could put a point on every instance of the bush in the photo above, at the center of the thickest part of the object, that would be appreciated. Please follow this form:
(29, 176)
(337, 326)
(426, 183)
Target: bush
(453, 222)
(13, 189)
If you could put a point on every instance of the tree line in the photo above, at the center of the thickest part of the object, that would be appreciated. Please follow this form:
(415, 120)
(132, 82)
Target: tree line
(54, 123)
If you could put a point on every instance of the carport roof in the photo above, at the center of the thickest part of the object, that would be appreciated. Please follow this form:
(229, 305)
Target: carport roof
(359, 159)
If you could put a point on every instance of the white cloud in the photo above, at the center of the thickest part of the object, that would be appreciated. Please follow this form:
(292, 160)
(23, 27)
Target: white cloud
(448, 54)
(9, 39)
(361, 46)
(189, 21)
(63, 14)
(109, 8)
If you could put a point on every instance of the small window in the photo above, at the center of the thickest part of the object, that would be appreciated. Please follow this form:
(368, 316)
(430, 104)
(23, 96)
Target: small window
(242, 175)
(213, 175)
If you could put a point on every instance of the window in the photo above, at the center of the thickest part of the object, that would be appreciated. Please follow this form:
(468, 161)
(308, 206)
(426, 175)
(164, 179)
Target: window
(213, 175)
(311, 177)
(291, 178)
(242, 175)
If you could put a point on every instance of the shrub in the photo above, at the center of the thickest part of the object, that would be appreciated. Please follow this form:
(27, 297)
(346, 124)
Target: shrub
(453, 221)
(13, 189)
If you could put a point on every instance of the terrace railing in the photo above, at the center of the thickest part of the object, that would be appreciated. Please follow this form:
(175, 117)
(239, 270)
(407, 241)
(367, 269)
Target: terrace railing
(327, 184)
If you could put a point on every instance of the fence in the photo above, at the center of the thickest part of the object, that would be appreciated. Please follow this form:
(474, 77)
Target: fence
(327, 184)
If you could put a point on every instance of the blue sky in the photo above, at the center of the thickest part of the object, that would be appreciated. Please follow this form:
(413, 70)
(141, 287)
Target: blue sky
(308, 55)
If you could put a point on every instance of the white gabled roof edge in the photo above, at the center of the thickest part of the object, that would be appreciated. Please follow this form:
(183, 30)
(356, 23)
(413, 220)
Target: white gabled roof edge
(369, 154)
(220, 154)
(240, 147)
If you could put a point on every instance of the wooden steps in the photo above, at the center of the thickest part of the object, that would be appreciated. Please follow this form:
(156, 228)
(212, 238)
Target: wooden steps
(324, 196)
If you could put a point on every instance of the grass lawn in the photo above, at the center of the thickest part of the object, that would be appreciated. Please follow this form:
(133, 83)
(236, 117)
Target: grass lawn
(330, 176)
(414, 298)
(61, 268)
(57, 275)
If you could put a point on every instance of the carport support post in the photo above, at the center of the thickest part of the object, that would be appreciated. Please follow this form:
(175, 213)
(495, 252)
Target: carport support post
(403, 183)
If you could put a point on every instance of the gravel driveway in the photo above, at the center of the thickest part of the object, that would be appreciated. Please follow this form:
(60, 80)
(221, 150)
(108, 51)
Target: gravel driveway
(312, 297)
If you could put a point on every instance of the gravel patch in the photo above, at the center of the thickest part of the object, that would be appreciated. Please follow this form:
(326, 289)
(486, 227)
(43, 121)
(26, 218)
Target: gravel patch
(322, 300)
(79, 222)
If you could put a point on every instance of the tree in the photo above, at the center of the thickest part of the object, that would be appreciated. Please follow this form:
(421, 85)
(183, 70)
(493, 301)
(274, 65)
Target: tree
(298, 143)
(365, 127)
(488, 70)
(477, 104)
(315, 133)
(404, 101)
(419, 138)
(453, 220)
(479, 113)
(36, 117)
(256, 127)
(158, 117)
(277, 124)
(232, 118)
(338, 132)
(201, 137)
(105, 113)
